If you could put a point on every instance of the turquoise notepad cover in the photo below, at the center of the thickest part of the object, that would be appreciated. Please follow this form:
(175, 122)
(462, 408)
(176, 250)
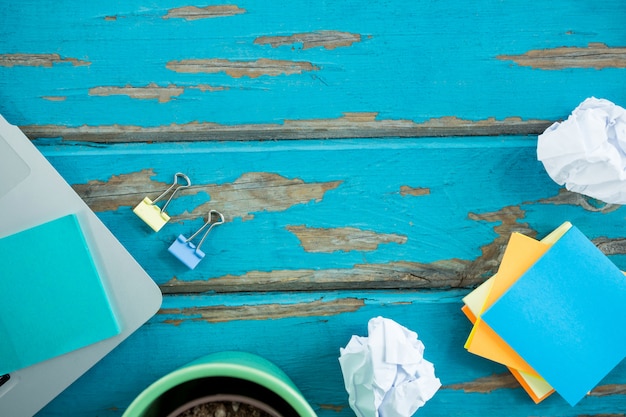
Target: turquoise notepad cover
(52, 300)
(565, 316)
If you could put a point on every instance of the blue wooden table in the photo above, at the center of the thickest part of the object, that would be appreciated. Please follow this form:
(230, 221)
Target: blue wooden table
(369, 159)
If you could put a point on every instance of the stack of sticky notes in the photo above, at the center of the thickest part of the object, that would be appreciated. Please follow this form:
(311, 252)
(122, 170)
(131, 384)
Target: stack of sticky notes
(52, 300)
(553, 314)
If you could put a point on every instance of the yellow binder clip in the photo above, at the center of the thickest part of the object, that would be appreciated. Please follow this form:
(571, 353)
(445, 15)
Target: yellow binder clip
(150, 213)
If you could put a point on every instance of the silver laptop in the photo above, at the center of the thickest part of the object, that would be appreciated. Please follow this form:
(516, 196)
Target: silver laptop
(27, 177)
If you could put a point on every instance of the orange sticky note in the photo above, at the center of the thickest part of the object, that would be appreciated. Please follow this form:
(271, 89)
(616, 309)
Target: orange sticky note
(535, 386)
(520, 254)
(514, 265)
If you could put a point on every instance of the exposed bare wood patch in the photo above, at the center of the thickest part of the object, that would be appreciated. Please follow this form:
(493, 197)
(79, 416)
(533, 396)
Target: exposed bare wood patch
(206, 87)
(328, 39)
(611, 246)
(609, 389)
(401, 303)
(392, 275)
(37, 60)
(208, 12)
(54, 98)
(251, 193)
(120, 190)
(355, 123)
(350, 125)
(507, 222)
(256, 192)
(565, 197)
(238, 69)
(152, 91)
(222, 313)
(413, 191)
(595, 55)
(328, 240)
(110, 18)
(332, 407)
(174, 322)
(602, 415)
(486, 384)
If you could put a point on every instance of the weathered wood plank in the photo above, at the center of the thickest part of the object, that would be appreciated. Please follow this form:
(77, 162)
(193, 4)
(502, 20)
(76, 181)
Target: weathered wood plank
(306, 347)
(287, 70)
(391, 275)
(334, 215)
(351, 125)
(251, 192)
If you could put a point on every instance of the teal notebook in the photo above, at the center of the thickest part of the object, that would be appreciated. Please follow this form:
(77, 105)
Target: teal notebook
(52, 300)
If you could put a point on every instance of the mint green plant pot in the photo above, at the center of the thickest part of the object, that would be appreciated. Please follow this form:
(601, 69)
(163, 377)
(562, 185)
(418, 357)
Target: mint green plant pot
(239, 374)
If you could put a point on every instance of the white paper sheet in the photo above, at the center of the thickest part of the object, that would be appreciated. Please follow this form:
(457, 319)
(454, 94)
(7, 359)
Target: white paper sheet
(385, 373)
(587, 152)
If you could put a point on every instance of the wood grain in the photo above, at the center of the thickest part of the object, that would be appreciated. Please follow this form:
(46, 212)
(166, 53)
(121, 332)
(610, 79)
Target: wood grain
(351, 125)
(250, 193)
(486, 384)
(207, 12)
(406, 190)
(345, 239)
(392, 275)
(217, 314)
(152, 91)
(327, 39)
(38, 60)
(595, 55)
(238, 69)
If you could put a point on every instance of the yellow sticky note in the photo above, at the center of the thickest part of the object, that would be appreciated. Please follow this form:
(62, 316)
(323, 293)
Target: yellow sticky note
(537, 388)
(475, 300)
(151, 214)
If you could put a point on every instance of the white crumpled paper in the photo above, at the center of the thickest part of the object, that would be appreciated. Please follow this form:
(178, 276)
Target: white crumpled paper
(385, 373)
(587, 152)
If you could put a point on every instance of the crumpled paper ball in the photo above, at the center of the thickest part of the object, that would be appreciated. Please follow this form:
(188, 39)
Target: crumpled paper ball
(587, 152)
(385, 374)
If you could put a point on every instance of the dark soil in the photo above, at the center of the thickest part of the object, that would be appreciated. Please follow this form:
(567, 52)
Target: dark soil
(224, 409)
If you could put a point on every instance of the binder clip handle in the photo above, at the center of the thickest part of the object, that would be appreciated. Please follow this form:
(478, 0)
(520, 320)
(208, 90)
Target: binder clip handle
(176, 186)
(208, 223)
(187, 252)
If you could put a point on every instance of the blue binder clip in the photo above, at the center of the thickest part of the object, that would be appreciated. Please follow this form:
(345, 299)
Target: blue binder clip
(187, 252)
(153, 215)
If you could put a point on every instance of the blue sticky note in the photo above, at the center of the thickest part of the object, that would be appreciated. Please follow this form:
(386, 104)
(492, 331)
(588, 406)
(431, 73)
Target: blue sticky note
(52, 300)
(565, 316)
(186, 252)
